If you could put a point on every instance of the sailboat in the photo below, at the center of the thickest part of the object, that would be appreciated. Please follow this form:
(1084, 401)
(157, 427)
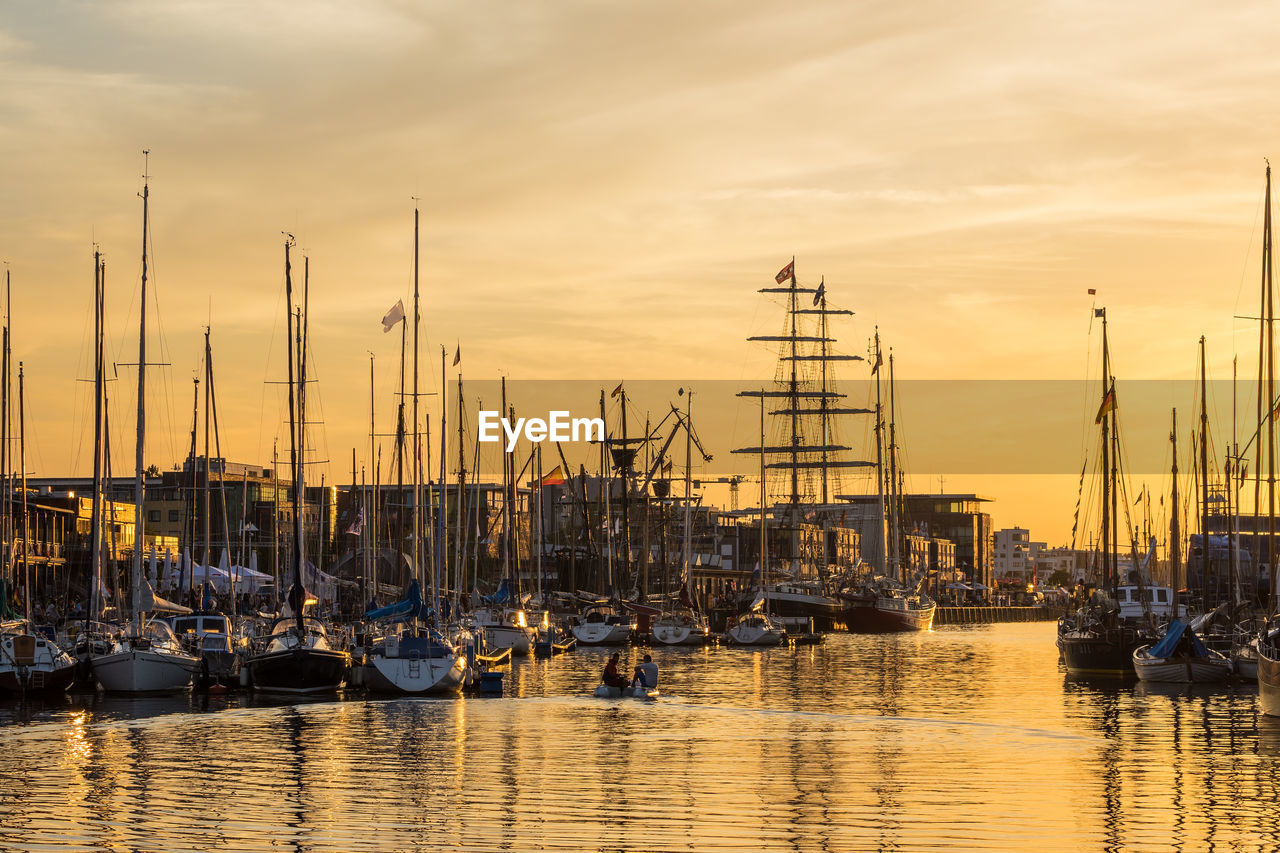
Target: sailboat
(683, 624)
(1099, 640)
(29, 663)
(757, 627)
(148, 657)
(413, 656)
(296, 656)
(884, 603)
(810, 456)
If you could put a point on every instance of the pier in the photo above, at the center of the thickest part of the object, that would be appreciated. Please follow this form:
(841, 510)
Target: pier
(976, 615)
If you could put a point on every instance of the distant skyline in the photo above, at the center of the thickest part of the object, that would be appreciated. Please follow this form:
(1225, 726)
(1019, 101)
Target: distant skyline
(604, 186)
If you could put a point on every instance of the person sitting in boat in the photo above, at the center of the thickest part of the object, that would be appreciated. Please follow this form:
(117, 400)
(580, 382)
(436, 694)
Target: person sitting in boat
(611, 676)
(646, 674)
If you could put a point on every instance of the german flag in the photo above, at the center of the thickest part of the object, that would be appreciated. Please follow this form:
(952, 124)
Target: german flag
(1108, 405)
(555, 478)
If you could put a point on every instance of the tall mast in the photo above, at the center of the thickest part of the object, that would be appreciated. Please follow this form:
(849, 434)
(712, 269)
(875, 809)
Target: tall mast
(95, 511)
(298, 594)
(1269, 316)
(764, 502)
(895, 523)
(138, 514)
(204, 488)
(882, 543)
(26, 520)
(605, 510)
(1204, 482)
(417, 447)
(688, 486)
(824, 402)
(1108, 580)
(6, 461)
(1175, 534)
(626, 488)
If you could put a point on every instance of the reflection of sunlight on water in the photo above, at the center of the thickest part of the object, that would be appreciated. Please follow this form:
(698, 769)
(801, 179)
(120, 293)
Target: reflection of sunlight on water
(967, 739)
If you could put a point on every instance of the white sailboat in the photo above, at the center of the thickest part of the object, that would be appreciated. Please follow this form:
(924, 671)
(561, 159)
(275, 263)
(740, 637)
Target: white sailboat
(757, 627)
(147, 658)
(684, 625)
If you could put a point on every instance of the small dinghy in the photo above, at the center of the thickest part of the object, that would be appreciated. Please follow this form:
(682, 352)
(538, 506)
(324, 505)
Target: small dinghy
(604, 691)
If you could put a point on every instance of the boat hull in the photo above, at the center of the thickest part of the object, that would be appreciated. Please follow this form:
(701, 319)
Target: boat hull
(414, 676)
(144, 671)
(601, 634)
(508, 637)
(1181, 669)
(305, 671)
(20, 681)
(872, 619)
(1268, 681)
(753, 635)
(1106, 655)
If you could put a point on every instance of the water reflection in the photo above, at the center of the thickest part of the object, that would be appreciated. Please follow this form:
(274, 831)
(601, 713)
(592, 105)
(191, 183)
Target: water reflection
(964, 738)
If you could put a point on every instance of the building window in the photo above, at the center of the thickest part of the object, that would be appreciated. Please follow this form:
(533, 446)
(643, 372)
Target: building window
(153, 515)
(173, 515)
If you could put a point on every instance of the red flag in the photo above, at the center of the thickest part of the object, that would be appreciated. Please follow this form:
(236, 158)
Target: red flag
(555, 478)
(787, 272)
(617, 391)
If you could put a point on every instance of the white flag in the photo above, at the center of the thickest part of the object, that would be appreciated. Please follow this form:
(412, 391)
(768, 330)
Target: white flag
(395, 315)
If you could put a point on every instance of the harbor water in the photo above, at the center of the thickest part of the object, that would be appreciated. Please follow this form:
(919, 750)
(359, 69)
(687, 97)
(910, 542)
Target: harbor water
(962, 738)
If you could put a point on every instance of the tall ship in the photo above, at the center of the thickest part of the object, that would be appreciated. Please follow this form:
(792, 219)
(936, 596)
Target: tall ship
(802, 455)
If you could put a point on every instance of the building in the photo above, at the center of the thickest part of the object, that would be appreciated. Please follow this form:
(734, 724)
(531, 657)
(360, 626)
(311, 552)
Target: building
(1013, 554)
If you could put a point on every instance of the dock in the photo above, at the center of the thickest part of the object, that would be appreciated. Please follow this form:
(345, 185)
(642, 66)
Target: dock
(978, 615)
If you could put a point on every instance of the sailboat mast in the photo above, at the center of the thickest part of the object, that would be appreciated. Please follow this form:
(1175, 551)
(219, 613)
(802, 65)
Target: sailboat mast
(623, 469)
(26, 519)
(895, 524)
(606, 511)
(764, 535)
(1269, 314)
(140, 519)
(881, 536)
(1108, 581)
(688, 486)
(295, 602)
(1175, 533)
(6, 483)
(824, 402)
(416, 445)
(204, 486)
(1204, 481)
(95, 511)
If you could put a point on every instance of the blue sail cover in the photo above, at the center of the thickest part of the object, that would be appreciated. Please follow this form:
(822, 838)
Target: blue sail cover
(407, 608)
(1168, 646)
(500, 597)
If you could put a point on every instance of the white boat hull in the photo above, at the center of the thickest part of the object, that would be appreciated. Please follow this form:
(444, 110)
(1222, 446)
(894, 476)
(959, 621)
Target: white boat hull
(144, 671)
(600, 634)
(604, 691)
(414, 675)
(1181, 669)
(754, 635)
(499, 637)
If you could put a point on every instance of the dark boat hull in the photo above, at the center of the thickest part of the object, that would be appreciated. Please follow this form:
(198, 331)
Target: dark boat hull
(36, 681)
(1107, 654)
(299, 671)
(870, 619)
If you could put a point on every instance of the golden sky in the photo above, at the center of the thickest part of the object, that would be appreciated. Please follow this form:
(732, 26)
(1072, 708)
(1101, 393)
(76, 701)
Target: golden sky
(605, 185)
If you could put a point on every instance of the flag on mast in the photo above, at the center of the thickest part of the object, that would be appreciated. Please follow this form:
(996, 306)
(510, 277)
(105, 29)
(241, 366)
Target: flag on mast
(395, 315)
(821, 292)
(555, 478)
(1108, 405)
(457, 356)
(787, 272)
(617, 391)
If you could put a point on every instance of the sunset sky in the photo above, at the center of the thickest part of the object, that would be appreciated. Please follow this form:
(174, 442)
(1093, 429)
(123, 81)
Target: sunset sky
(604, 186)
